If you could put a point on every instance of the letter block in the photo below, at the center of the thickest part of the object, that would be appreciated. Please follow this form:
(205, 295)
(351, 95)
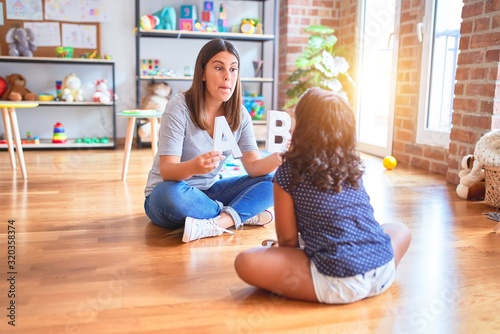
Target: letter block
(186, 24)
(188, 12)
(275, 131)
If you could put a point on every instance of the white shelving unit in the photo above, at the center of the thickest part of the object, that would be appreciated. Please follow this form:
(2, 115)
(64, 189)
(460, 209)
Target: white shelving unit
(84, 119)
(187, 44)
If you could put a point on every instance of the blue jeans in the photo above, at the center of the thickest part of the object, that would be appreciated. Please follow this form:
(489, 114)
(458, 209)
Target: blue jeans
(242, 197)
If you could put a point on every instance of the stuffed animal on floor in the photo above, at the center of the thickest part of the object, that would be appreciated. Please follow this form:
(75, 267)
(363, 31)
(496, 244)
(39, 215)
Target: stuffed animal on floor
(16, 90)
(72, 88)
(157, 96)
(486, 153)
(21, 42)
(472, 184)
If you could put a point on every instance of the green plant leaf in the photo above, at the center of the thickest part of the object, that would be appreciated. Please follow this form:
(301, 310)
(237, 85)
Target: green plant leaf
(318, 65)
(316, 42)
(332, 84)
(320, 29)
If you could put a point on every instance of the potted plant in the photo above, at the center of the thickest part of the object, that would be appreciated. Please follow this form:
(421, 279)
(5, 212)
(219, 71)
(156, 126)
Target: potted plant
(318, 66)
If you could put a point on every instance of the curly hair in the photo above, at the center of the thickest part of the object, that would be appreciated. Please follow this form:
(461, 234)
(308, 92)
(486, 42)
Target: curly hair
(323, 146)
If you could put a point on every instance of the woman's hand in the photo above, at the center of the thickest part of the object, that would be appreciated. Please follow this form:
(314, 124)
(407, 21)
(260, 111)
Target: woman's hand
(207, 162)
(172, 169)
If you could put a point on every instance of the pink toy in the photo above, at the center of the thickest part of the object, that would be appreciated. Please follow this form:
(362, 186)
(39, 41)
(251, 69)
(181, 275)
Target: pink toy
(102, 94)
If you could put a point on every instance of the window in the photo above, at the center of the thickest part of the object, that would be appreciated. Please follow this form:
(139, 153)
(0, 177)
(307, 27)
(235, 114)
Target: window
(439, 33)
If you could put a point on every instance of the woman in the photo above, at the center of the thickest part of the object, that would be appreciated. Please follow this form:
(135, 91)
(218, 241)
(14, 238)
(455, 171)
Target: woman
(184, 186)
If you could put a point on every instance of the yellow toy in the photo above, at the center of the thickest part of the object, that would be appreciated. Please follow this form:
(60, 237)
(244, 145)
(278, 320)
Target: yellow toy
(71, 88)
(389, 162)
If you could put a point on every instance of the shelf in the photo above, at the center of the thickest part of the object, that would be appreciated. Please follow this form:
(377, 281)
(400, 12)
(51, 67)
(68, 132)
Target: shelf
(205, 35)
(252, 47)
(74, 104)
(47, 144)
(184, 78)
(55, 60)
(41, 67)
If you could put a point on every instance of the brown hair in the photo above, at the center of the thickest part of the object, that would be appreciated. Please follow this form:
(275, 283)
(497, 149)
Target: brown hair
(195, 94)
(323, 144)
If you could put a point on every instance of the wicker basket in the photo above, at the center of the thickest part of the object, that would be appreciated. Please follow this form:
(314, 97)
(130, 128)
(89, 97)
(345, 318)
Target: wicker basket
(492, 195)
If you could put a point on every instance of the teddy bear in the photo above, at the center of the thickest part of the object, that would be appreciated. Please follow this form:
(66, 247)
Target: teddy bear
(157, 96)
(156, 99)
(71, 88)
(21, 42)
(472, 182)
(486, 153)
(17, 90)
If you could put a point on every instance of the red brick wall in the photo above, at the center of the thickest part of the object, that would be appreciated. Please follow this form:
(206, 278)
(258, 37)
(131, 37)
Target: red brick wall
(295, 15)
(475, 111)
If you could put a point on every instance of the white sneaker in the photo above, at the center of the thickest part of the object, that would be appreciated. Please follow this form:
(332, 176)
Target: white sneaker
(195, 229)
(263, 218)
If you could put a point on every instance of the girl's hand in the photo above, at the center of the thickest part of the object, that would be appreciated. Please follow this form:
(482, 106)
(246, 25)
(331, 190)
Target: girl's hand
(207, 162)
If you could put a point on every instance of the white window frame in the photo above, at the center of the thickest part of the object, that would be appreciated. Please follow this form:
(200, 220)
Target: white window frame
(425, 33)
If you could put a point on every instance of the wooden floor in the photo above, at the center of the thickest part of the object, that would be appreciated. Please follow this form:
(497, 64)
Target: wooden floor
(87, 259)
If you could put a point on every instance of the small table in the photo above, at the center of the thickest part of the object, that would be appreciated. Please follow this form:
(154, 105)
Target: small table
(9, 117)
(132, 116)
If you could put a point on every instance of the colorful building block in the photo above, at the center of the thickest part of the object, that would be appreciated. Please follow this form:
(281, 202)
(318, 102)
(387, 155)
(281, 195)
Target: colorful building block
(186, 24)
(149, 66)
(222, 25)
(188, 12)
(207, 16)
(208, 6)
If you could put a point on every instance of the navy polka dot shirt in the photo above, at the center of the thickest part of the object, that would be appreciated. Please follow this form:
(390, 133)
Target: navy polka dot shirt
(339, 230)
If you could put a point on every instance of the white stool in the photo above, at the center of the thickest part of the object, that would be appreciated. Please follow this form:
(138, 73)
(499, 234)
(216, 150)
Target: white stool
(9, 117)
(132, 116)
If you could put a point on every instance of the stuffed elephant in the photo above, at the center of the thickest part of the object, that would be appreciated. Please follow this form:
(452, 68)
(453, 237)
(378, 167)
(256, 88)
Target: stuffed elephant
(21, 42)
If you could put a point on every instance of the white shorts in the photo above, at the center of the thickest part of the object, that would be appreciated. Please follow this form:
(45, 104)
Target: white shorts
(343, 290)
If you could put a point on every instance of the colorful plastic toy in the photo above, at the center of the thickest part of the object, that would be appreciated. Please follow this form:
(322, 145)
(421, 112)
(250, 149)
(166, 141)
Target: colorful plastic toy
(30, 140)
(59, 136)
(222, 25)
(65, 52)
(255, 106)
(93, 140)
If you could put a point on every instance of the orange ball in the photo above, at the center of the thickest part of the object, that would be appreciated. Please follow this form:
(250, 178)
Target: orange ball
(389, 162)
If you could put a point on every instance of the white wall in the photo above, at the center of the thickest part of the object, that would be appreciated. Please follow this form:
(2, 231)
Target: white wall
(118, 40)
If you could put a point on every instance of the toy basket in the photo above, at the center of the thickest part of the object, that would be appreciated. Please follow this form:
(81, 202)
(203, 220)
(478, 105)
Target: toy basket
(492, 195)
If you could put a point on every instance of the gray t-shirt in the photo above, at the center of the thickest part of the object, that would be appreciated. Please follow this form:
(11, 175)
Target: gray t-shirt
(179, 136)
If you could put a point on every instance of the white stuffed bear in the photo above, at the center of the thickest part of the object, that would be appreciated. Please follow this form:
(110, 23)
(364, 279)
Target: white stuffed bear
(472, 186)
(486, 153)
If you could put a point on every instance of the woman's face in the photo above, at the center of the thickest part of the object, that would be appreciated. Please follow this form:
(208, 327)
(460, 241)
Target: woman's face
(220, 76)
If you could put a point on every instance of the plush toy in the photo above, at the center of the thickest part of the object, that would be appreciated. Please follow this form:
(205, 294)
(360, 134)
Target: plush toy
(472, 184)
(71, 88)
(16, 90)
(157, 96)
(486, 153)
(21, 42)
(167, 19)
(102, 94)
(164, 19)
